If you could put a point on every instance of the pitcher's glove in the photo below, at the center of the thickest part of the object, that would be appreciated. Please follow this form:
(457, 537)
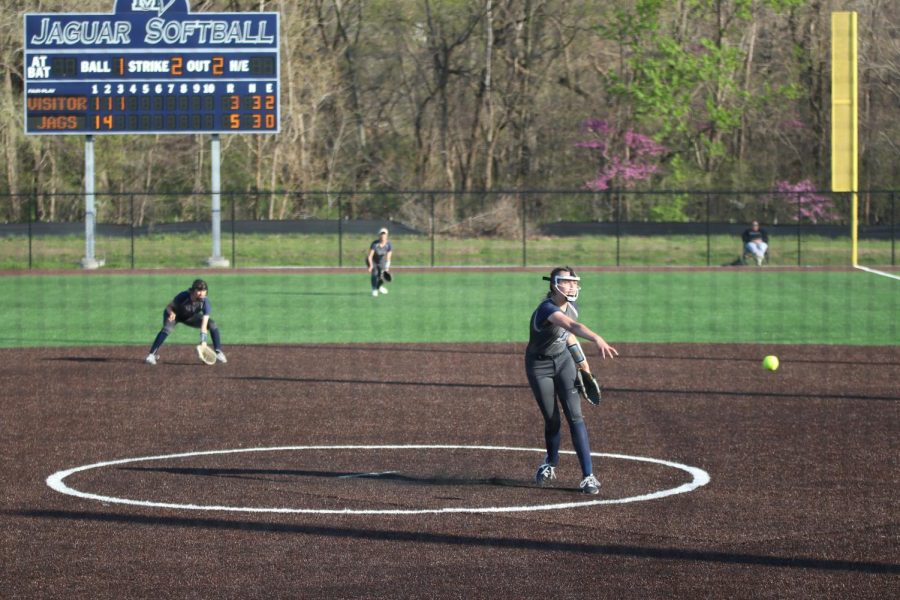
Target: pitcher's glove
(588, 387)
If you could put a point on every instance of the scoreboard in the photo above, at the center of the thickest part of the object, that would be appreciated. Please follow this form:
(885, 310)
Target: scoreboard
(151, 67)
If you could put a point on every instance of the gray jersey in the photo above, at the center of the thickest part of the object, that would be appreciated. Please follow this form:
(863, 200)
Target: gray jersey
(379, 253)
(544, 337)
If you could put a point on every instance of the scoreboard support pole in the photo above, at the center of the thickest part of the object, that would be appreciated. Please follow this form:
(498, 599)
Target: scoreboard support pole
(89, 261)
(216, 260)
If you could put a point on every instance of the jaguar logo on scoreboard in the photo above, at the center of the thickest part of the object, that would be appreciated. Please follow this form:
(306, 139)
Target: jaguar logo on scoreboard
(157, 6)
(151, 67)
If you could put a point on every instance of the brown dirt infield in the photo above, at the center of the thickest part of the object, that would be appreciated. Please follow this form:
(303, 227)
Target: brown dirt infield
(802, 500)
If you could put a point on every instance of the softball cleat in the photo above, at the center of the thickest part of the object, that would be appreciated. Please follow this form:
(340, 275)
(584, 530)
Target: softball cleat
(590, 485)
(545, 473)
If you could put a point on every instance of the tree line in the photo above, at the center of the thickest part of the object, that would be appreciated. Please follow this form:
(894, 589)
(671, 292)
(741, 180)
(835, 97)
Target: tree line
(487, 95)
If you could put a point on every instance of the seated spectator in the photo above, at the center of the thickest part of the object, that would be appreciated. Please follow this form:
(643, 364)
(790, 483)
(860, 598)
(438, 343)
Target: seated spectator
(756, 242)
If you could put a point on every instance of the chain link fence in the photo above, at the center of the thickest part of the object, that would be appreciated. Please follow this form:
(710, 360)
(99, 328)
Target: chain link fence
(435, 229)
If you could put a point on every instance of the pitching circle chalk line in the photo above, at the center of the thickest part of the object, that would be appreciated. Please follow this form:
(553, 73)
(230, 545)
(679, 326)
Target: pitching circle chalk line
(56, 482)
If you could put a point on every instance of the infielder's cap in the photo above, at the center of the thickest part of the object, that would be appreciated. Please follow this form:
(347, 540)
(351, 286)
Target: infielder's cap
(383, 230)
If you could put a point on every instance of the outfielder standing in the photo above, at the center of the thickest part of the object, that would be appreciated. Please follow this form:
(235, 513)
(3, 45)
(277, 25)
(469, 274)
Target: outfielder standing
(379, 261)
(552, 359)
(192, 308)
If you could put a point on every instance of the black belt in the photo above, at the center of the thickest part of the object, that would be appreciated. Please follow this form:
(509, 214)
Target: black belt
(548, 356)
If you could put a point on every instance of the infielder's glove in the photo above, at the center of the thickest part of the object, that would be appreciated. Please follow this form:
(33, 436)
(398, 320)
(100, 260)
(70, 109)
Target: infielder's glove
(588, 387)
(206, 354)
(386, 275)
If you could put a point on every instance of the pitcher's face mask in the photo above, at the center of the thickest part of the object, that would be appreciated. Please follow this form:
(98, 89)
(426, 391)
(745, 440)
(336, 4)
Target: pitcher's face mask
(568, 286)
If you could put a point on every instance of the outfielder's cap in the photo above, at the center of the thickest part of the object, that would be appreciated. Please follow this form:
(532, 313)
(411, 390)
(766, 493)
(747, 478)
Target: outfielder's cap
(199, 285)
(382, 230)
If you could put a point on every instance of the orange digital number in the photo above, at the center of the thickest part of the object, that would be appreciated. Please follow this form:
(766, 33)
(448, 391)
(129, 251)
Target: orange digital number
(270, 121)
(257, 102)
(176, 66)
(235, 102)
(270, 102)
(218, 65)
(257, 122)
(234, 121)
(121, 66)
(101, 122)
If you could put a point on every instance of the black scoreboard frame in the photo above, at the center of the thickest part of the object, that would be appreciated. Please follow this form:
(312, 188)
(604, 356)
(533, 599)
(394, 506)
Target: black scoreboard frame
(151, 67)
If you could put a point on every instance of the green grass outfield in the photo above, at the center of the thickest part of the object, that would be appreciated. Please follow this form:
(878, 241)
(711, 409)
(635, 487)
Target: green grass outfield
(297, 307)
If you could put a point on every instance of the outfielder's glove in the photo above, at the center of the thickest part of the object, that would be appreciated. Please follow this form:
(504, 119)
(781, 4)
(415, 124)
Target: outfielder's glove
(588, 387)
(206, 354)
(386, 275)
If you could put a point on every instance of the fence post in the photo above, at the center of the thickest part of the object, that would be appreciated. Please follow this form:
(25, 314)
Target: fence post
(708, 248)
(340, 230)
(893, 228)
(131, 229)
(524, 229)
(32, 215)
(618, 227)
(431, 195)
(799, 227)
(233, 230)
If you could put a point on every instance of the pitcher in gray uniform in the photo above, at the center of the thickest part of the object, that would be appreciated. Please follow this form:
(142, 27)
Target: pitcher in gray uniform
(552, 359)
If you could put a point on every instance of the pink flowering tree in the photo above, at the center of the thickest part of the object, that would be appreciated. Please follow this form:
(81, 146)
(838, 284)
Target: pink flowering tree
(805, 203)
(623, 162)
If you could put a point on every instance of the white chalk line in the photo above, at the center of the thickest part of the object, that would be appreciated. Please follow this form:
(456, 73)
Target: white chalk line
(56, 482)
(877, 272)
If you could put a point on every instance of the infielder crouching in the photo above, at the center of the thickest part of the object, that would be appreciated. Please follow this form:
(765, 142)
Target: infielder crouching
(192, 308)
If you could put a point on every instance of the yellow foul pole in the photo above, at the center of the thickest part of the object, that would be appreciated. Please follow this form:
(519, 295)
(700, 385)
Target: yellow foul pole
(844, 117)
